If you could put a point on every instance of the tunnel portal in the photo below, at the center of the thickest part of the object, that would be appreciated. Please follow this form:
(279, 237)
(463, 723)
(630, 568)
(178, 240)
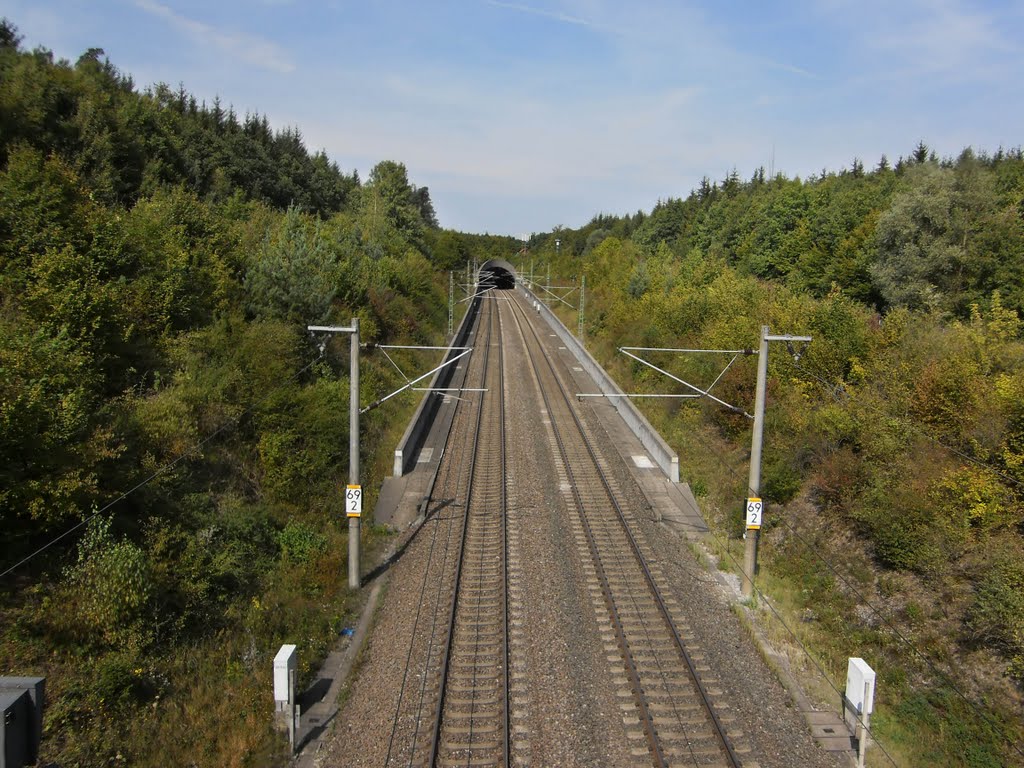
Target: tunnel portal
(497, 273)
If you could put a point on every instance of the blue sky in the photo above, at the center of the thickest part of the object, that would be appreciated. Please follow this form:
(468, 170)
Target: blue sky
(523, 116)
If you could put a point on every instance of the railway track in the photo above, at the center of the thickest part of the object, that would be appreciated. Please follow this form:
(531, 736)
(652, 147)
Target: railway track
(665, 697)
(459, 697)
(471, 727)
(453, 707)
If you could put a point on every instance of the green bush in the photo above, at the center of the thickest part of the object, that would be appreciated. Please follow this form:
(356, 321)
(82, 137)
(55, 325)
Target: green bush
(781, 481)
(111, 585)
(119, 681)
(901, 539)
(699, 487)
(300, 543)
(996, 616)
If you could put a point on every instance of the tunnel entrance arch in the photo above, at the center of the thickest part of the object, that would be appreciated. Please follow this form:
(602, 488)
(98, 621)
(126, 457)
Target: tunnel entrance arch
(497, 273)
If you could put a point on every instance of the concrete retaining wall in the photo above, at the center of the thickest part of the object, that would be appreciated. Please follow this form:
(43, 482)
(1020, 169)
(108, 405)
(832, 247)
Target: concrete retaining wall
(409, 446)
(662, 454)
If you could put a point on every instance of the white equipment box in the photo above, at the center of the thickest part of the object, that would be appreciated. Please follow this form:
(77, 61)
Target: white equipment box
(284, 665)
(860, 686)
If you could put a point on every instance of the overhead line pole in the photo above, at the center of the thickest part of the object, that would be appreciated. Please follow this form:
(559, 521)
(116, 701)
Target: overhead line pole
(583, 303)
(353, 439)
(754, 505)
(558, 250)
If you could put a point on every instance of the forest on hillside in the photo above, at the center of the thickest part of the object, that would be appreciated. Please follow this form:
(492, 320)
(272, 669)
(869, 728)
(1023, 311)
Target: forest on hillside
(894, 447)
(172, 441)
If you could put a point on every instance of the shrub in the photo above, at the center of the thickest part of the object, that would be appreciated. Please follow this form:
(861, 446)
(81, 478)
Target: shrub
(300, 543)
(781, 481)
(837, 478)
(898, 521)
(699, 487)
(111, 586)
(996, 615)
(974, 497)
(119, 681)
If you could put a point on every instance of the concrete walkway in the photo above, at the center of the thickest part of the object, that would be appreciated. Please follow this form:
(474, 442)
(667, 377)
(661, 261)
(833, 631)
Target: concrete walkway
(319, 703)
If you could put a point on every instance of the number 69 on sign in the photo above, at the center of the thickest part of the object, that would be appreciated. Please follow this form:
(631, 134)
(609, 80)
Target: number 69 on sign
(753, 512)
(354, 500)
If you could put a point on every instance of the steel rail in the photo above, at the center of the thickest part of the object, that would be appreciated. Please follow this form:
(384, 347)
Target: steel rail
(446, 658)
(453, 463)
(455, 613)
(505, 547)
(647, 719)
(655, 592)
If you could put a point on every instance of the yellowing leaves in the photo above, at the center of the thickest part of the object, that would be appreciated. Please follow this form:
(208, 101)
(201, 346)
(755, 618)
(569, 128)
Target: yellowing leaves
(977, 497)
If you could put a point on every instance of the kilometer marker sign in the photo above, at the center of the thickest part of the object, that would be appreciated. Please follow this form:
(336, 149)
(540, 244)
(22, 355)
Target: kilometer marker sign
(354, 500)
(754, 507)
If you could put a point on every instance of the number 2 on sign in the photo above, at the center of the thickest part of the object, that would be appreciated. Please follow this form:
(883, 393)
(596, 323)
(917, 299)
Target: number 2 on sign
(354, 500)
(754, 507)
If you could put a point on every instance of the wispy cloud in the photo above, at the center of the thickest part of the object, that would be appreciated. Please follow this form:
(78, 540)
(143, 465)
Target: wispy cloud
(555, 15)
(256, 51)
(949, 39)
(946, 36)
(790, 68)
(510, 139)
